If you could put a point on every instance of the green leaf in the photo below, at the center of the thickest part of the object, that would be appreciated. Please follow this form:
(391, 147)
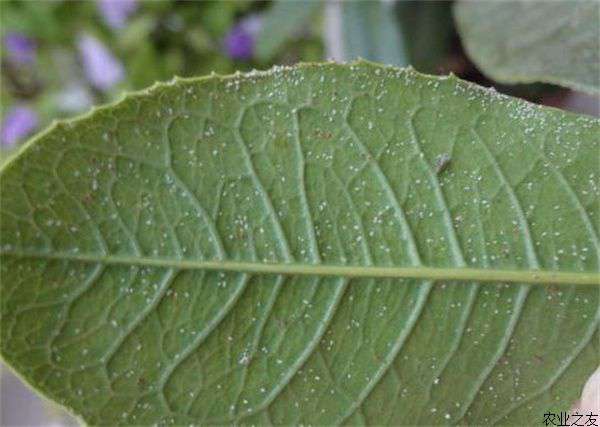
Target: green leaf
(283, 20)
(320, 244)
(370, 31)
(523, 42)
(429, 26)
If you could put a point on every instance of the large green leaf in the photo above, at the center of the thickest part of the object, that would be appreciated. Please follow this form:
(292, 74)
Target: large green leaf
(534, 41)
(294, 246)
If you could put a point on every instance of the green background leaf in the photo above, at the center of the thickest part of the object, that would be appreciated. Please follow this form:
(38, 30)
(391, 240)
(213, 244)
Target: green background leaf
(140, 246)
(371, 31)
(428, 30)
(534, 41)
(284, 20)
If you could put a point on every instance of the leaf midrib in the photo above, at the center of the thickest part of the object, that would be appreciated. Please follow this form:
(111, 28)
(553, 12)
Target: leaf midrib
(542, 277)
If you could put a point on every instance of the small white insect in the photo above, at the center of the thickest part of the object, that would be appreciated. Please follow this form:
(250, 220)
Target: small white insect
(442, 162)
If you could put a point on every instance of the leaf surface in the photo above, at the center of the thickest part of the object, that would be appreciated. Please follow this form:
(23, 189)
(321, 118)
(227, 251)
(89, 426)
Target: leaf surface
(321, 244)
(534, 41)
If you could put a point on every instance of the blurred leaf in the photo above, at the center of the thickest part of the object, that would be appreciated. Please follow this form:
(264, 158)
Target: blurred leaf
(158, 6)
(282, 21)
(534, 41)
(34, 18)
(216, 17)
(427, 27)
(370, 31)
(173, 61)
(137, 32)
(310, 50)
(212, 62)
(198, 40)
(144, 66)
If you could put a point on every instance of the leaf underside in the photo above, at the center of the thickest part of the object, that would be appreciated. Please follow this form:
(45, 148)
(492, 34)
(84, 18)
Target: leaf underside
(534, 41)
(107, 220)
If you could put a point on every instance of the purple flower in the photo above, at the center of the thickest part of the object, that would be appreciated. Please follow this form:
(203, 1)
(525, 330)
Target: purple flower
(19, 47)
(239, 42)
(116, 12)
(17, 124)
(101, 67)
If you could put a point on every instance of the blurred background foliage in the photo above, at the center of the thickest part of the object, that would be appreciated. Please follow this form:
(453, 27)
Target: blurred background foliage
(61, 57)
